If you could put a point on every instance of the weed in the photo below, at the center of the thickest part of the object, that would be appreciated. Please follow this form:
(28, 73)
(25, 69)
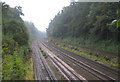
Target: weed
(40, 48)
(113, 62)
(43, 53)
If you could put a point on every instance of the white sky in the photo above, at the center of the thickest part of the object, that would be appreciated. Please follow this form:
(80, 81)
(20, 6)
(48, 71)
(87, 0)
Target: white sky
(40, 12)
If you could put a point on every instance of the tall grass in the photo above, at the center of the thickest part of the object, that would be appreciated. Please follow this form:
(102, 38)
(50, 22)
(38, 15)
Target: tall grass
(103, 45)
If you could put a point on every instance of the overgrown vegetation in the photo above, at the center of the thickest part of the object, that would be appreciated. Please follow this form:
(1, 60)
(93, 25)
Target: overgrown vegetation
(16, 50)
(30, 73)
(103, 45)
(103, 59)
(43, 53)
(88, 24)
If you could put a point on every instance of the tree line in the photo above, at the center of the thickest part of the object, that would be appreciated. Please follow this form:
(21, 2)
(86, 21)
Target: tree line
(16, 49)
(90, 21)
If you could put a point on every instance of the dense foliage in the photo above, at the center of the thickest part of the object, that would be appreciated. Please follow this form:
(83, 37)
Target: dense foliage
(88, 22)
(16, 50)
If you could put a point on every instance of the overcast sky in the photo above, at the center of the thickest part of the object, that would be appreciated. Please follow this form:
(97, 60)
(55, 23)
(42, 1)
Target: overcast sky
(40, 12)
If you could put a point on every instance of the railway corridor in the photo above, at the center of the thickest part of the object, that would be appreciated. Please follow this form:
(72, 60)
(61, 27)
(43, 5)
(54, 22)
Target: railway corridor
(41, 69)
(69, 67)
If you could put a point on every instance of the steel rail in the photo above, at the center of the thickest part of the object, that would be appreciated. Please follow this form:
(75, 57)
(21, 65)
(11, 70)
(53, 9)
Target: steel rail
(65, 68)
(101, 73)
(47, 70)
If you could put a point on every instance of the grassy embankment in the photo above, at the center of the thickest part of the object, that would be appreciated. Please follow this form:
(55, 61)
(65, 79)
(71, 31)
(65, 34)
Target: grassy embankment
(75, 46)
(30, 74)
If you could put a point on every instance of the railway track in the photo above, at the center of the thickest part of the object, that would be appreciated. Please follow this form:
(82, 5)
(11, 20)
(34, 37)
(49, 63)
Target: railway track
(90, 69)
(65, 69)
(41, 70)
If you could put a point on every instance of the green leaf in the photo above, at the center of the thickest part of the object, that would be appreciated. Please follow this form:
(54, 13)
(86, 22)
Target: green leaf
(118, 23)
(113, 22)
